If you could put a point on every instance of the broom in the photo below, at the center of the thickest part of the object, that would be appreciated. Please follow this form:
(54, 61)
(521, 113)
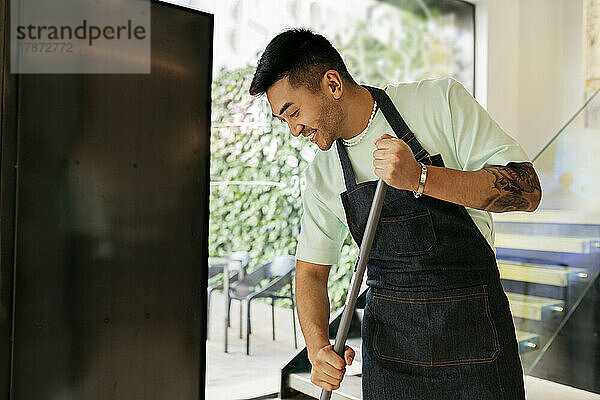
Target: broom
(359, 272)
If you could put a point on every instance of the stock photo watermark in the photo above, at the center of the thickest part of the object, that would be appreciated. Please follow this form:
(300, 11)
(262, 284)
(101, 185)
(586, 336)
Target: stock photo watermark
(80, 36)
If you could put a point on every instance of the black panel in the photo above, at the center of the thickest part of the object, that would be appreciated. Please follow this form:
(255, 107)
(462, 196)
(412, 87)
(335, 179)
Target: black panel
(8, 126)
(112, 224)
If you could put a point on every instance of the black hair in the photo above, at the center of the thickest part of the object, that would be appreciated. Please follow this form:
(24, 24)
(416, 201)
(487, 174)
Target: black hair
(301, 55)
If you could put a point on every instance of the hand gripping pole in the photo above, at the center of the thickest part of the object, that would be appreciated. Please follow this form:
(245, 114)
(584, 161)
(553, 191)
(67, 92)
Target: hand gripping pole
(359, 272)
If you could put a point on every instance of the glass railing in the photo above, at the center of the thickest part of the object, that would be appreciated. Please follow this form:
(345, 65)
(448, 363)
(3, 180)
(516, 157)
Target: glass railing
(567, 165)
(549, 260)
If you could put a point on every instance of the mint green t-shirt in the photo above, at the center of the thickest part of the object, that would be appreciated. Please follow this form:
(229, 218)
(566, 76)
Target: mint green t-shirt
(445, 118)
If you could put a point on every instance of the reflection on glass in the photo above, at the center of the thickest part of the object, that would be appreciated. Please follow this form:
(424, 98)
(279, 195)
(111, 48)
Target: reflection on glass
(549, 260)
(566, 164)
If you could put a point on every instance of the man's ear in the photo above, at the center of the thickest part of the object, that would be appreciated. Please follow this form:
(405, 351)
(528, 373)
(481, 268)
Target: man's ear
(331, 83)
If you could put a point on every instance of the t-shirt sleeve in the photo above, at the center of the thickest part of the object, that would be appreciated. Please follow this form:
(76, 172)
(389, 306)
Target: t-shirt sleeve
(321, 232)
(479, 140)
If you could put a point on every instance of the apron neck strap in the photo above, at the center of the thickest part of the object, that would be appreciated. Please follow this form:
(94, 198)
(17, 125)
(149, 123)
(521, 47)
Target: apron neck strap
(402, 131)
(349, 177)
(394, 119)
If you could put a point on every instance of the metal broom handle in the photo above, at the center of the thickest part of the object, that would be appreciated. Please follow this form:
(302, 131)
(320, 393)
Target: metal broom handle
(357, 278)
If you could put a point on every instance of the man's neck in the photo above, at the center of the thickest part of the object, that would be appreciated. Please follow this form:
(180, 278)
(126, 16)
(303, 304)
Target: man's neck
(359, 112)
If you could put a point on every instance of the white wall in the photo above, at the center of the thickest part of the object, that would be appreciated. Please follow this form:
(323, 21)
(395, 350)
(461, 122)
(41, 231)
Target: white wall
(530, 65)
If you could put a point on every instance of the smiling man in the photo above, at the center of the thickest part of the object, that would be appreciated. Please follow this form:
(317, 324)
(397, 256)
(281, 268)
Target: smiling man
(437, 323)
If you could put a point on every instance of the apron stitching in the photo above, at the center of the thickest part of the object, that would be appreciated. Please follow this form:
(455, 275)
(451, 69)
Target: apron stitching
(403, 219)
(435, 299)
(439, 363)
(365, 184)
(494, 333)
(495, 339)
(427, 302)
(425, 157)
(428, 331)
(376, 328)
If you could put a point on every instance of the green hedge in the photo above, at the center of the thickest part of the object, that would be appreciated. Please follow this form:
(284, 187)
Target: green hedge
(247, 144)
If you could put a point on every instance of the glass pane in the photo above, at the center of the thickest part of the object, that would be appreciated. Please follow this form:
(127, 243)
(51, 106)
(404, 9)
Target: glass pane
(549, 260)
(566, 164)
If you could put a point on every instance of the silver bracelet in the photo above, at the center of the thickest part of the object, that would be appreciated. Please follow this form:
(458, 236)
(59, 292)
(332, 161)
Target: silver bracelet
(421, 187)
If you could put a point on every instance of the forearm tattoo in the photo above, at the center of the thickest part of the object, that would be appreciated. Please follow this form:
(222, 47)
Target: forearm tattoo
(517, 186)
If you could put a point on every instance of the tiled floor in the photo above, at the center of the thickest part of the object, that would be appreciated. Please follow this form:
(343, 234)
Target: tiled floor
(234, 375)
(539, 389)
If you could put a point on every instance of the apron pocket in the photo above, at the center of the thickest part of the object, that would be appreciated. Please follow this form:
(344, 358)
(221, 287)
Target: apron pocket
(439, 328)
(400, 332)
(403, 235)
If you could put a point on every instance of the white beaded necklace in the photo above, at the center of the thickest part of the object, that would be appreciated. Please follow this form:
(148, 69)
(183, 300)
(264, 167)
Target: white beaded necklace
(363, 133)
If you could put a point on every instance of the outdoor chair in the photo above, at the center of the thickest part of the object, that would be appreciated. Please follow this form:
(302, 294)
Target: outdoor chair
(238, 261)
(279, 271)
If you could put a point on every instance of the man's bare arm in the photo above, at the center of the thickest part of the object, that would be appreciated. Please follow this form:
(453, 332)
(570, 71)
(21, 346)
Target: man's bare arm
(313, 312)
(313, 304)
(518, 188)
(514, 187)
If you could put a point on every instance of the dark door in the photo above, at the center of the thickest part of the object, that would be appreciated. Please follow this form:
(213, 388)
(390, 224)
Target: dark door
(105, 224)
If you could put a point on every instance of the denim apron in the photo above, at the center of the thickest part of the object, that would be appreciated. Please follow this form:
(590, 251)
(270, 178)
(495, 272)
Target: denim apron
(437, 324)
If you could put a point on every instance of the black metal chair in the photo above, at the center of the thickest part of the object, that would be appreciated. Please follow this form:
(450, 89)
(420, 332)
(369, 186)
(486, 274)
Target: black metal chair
(279, 273)
(237, 261)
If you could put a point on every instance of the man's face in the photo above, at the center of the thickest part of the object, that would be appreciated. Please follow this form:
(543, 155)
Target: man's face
(317, 116)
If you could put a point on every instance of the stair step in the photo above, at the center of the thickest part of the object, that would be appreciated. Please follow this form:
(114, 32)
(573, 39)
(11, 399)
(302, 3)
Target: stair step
(556, 275)
(540, 216)
(563, 244)
(528, 341)
(531, 307)
(350, 389)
